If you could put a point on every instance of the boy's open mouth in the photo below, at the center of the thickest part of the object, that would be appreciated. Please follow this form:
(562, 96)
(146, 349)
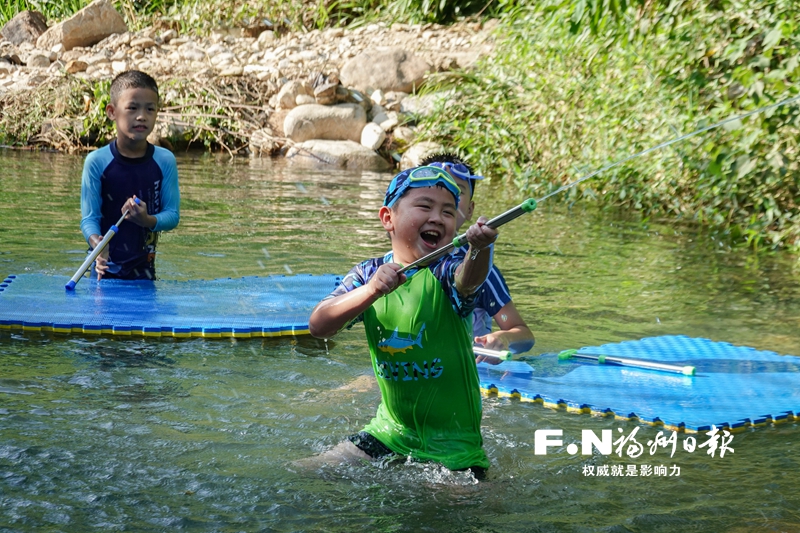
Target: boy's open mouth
(430, 237)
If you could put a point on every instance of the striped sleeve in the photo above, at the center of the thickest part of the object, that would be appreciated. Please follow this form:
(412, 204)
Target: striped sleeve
(358, 276)
(445, 271)
(494, 294)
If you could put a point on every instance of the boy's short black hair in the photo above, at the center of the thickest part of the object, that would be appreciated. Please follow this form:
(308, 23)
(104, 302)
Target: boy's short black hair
(454, 159)
(445, 157)
(131, 79)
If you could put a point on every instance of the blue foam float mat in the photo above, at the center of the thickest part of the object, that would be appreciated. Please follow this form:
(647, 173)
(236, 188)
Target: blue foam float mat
(243, 307)
(734, 387)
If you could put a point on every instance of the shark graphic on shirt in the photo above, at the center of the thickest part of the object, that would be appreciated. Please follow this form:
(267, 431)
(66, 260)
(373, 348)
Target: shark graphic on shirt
(396, 344)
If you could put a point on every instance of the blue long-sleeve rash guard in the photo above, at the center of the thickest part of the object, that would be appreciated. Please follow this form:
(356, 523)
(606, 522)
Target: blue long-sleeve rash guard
(109, 179)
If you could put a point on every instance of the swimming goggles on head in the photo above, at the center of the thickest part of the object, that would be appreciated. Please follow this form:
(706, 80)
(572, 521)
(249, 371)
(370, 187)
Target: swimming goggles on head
(427, 176)
(458, 170)
(461, 171)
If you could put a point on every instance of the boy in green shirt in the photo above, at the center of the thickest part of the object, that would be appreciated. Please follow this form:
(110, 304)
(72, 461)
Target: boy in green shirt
(418, 327)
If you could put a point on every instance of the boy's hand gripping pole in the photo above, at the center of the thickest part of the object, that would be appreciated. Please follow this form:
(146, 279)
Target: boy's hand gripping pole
(97, 251)
(515, 212)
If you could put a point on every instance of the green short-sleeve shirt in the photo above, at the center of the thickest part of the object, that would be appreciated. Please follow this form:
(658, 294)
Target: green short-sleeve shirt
(422, 355)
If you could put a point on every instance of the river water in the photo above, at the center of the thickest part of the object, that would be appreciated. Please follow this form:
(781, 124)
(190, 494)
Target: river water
(143, 434)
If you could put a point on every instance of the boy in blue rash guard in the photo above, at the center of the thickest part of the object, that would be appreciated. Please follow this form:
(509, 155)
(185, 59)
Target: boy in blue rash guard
(494, 299)
(118, 174)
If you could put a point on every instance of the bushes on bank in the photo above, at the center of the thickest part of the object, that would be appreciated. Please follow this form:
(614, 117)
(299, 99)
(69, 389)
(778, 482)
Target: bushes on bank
(570, 90)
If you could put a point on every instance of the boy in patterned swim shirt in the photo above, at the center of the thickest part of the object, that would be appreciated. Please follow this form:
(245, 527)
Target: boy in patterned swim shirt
(419, 328)
(494, 299)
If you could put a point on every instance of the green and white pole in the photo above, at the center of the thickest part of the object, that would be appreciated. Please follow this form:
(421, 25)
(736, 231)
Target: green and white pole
(503, 355)
(624, 361)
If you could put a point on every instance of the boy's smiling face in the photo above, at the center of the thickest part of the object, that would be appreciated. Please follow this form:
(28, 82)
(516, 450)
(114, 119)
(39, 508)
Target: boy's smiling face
(422, 221)
(134, 113)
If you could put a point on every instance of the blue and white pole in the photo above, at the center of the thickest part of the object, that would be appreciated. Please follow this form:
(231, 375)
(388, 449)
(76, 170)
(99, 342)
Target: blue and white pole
(97, 251)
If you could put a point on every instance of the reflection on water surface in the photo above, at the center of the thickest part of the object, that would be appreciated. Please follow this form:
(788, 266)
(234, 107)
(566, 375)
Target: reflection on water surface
(154, 434)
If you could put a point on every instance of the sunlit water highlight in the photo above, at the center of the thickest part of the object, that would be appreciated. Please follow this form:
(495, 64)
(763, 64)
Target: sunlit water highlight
(100, 433)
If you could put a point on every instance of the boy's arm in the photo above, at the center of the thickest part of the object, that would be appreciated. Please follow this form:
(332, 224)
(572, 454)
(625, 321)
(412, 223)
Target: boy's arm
(332, 314)
(514, 334)
(472, 272)
(91, 200)
(169, 216)
(91, 204)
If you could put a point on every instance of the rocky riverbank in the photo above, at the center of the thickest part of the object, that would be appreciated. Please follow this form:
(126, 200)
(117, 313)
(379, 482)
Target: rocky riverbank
(341, 97)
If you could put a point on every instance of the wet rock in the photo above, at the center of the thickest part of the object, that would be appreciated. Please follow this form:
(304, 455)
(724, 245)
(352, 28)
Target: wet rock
(88, 26)
(387, 120)
(11, 59)
(143, 43)
(168, 36)
(395, 69)
(97, 59)
(314, 121)
(265, 39)
(424, 105)
(378, 98)
(344, 96)
(38, 60)
(416, 153)
(391, 122)
(287, 96)
(191, 52)
(231, 71)
(343, 154)
(262, 142)
(404, 134)
(25, 27)
(305, 99)
(372, 136)
(326, 94)
(74, 66)
(255, 30)
(356, 96)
